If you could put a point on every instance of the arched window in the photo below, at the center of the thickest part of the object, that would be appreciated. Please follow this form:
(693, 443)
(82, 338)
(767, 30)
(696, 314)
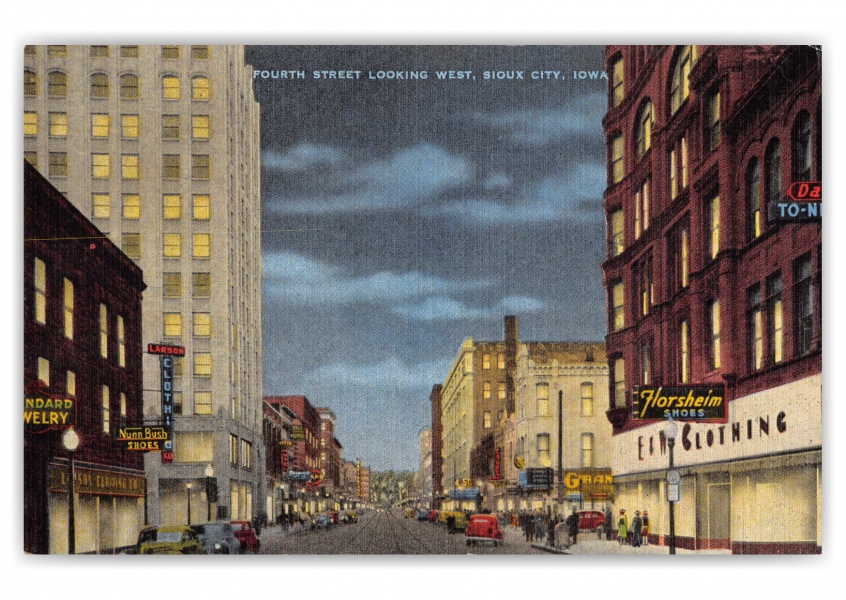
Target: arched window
(99, 85)
(30, 83)
(643, 135)
(129, 89)
(753, 200)
(801, 147)
(772, 173)
(680, 89)
(618, 87)
(57, 85)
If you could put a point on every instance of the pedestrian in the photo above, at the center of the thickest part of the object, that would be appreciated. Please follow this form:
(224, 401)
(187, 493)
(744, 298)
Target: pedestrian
(622, 527)
(574, 526)
(646, 528)
(637, 530)
(609, 526)
(530, 524)
(539, 527)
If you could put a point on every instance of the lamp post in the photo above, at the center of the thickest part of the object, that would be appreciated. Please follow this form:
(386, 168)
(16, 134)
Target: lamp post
(70, 440)
(672, 431)
(209, 479)
(188, 485)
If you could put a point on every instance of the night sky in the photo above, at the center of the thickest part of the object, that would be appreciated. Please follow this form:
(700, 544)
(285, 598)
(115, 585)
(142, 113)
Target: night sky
(401, 216)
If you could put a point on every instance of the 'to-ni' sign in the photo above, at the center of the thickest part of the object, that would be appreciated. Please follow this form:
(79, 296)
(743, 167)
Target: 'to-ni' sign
(690, 403)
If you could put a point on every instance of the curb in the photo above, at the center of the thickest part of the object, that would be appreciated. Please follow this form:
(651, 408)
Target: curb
(549, 549)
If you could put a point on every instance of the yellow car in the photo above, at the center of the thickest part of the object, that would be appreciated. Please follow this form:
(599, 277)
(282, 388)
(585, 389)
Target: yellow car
(175, 539)
(455, 520)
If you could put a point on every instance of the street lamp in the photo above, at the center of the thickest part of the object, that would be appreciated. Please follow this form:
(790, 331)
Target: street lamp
(70, 440)
(209, 479)
(188, 485)
(672, 431)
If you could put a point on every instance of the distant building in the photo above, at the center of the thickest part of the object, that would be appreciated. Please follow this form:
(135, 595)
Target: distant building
(437, 446)
(82, 348)
(278, 421)
(708, 286)
(425, 472)
(330, 452)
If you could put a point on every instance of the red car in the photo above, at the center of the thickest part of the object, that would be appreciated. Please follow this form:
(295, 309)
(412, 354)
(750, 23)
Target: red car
(433, 516)
(246, 535)
(334, 517)
(591, 520)
(483, 528)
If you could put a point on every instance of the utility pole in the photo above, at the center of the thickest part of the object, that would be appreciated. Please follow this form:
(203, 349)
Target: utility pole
(560, 450)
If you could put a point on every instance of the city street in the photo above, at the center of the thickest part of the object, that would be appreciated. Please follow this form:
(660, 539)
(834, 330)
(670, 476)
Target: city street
(385, 532)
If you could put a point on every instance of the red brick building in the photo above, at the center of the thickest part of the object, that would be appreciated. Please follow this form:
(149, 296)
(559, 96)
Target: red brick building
(437, 446)
(82, 345)
(330, 451)
(705, 286)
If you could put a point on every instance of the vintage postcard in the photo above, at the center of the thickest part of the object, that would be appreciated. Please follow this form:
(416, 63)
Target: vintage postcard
(488, 299)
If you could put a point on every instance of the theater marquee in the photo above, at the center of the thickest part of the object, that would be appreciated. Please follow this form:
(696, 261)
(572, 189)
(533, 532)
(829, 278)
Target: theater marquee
(701, 403)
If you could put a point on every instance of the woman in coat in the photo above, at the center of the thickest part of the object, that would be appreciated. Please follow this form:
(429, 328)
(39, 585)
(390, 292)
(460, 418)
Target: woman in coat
(622, 527)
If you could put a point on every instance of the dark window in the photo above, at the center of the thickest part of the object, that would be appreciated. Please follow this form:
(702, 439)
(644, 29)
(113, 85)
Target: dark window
(803, 303)
(802, 147)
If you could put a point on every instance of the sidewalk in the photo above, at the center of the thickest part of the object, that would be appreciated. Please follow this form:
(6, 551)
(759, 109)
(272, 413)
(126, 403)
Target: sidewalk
(589, 545)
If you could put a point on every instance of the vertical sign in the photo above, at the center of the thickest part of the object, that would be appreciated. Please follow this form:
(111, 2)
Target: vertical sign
(167, 407)
(284, 460)
(497, 464)
(359, 480)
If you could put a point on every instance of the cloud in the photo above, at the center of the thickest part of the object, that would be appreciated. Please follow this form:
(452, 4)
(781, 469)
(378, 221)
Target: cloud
(441, 308)
(303, 156)
(496, 180)
(543, 127)
(571, 196)
(391, 373)
(304, 281)
(406, 178)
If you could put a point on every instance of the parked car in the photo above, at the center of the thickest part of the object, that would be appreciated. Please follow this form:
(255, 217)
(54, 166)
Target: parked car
(246, 535)
(483, 528)
(433, 516)
(217, 538)
(455, 520)
(351, 516)
(177, 539)
(334, 517)
(422, 514)
(322, 521)
(591, 520)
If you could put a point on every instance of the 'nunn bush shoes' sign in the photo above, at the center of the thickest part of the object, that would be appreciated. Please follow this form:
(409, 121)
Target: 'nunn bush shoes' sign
(684, 403)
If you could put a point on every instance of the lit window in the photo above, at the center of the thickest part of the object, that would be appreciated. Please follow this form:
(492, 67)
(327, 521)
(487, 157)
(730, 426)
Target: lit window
(132, 245)
(30, 83)
(618, 162)
(44, 371)
(617, 82)
(129, 88)
(105, 411)
(171, 88)
(200, 88)
(58, 164)
(755, 325)
(542, 391)
(70, 383)
(130, 166)
(99, 126)
(714, 319)
(200, 166)
(486, 361)
(803, 304)
(129, 126)
(58, 124)
(202, 364)
(246, 454)
(57, 85)
(173, 325)
(714, 225)
(201, 127)
(645, 363)
(202, 245)
(619, 383)
(501, 391)
(131, 206)
(172, 285)
(618, 313)
(486, 419)
(121, 340)
(68, 308)
(172, 245)
(170, 166)
(99, 85)
(233, 449)
(122, 408)
(486, 390)
(684, 352)
(587, 399)
(40, 291)
(172, 206)
(102, 206)
(202, 207)
(543, 449)
(104, 331)
(680, 89)
(170, 127)
(100, 166)
(30, 124)
(753, 201)
(203, 403)
(642, 209)
(618, 242)
(202, 285)
(202, 325)
(500, 360)
(645, 122)
(587, 450)
(775, 319)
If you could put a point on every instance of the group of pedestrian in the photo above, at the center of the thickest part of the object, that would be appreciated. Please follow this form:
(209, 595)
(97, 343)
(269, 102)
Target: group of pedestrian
(639, 533)
(535, 525)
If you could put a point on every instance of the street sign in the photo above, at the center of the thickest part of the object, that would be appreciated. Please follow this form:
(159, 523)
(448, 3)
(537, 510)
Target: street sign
(673, 477)
(674, 492)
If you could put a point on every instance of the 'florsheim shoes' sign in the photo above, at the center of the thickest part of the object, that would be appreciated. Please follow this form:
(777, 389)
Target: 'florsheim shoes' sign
(686, 403)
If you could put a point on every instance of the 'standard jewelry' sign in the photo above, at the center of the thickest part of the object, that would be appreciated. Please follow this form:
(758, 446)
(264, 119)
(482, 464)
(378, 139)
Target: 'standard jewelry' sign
(693, 403)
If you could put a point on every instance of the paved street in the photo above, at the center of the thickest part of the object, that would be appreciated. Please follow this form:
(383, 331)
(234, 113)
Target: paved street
(385, 532)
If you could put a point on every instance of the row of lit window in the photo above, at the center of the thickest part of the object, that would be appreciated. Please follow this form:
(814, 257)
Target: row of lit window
(129, 86)
(171, 206)
(680, 78)
(542, 449)
(500, 361)
(130, 126)
(130, 164)
(167, 52)
(172, 245)
(202, 325)
(40, 312)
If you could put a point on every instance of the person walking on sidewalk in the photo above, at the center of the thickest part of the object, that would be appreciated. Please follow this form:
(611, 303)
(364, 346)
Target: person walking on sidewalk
(622, 527)
(609, 526)
(646, 528)
(539, 527)
(637, 530)
(573, 522)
